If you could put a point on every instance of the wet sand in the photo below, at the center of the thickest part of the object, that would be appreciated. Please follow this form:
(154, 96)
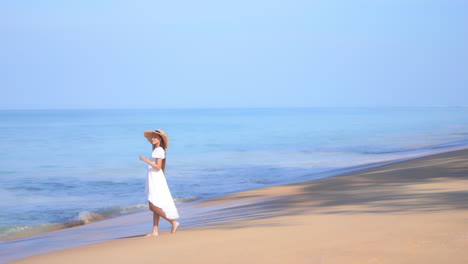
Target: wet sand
(413, 211)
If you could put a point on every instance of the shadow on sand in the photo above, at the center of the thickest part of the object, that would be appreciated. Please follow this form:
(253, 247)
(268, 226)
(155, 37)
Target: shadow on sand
(431, 184)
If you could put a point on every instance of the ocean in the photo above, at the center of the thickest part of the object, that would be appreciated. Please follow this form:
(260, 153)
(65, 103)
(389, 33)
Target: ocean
(61, 168)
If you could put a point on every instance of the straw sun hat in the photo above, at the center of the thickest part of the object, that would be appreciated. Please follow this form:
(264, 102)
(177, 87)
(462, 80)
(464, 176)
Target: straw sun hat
(165, 139)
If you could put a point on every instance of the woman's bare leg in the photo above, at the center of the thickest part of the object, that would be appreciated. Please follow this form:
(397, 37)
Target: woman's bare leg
(155, 225)
(162, 214)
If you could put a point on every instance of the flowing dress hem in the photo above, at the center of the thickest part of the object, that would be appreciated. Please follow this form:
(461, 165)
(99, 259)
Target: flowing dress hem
(169, 214)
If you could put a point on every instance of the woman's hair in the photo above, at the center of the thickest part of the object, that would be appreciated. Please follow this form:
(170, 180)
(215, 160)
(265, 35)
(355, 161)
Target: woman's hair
(162, 145)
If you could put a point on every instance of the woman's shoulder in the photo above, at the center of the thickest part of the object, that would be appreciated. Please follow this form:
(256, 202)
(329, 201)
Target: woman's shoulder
(159, 149)
(158, 153)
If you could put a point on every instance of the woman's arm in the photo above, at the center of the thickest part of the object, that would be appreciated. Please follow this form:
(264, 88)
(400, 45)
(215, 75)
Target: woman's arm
(157, 165)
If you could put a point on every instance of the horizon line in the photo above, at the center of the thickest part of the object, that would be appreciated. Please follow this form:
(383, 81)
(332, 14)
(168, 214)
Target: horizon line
(237, 107)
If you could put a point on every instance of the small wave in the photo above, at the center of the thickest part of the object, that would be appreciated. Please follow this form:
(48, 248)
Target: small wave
(87, 217)
(264, 181)
(15, 232)
(7, 172)
(461, 134)
(82, 218)
(128, 209)
(386, 151)
(416, 148)
(186, 199)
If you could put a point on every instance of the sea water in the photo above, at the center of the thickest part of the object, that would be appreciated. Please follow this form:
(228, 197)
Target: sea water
(60, 168)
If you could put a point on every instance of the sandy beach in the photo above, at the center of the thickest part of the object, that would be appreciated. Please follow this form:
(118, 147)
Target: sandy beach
(414, 211)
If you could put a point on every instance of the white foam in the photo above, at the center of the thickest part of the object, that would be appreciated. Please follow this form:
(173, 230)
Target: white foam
(87, 217)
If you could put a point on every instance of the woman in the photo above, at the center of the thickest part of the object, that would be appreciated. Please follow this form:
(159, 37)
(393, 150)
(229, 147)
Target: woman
(159, 197)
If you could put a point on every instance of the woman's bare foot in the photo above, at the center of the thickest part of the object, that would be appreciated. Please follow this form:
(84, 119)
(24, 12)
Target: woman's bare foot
(175, 225)
(152, 234)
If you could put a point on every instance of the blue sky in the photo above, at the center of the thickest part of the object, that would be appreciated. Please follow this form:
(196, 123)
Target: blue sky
(213, 53)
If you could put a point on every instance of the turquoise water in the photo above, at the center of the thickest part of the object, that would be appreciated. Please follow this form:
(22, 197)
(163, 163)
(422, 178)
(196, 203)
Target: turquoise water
(63, 167)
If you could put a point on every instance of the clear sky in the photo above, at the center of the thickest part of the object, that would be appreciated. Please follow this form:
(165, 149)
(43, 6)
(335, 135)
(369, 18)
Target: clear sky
(242, 53)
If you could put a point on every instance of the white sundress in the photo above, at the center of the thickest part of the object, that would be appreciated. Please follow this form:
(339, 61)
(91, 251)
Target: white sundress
(157, 189)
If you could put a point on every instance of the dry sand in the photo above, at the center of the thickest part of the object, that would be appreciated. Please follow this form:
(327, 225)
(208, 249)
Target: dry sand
(414, 211)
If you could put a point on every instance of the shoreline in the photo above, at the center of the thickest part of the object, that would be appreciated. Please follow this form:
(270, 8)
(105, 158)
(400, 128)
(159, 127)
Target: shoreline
(90, 217)
(272, 202)
(85, 216)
